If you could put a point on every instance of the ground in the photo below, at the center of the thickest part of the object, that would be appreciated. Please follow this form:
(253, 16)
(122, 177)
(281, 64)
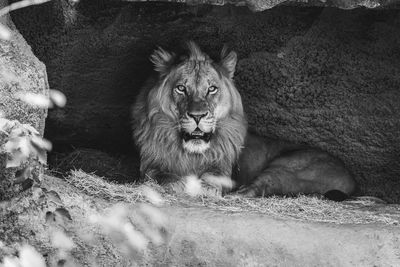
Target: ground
(127, 225)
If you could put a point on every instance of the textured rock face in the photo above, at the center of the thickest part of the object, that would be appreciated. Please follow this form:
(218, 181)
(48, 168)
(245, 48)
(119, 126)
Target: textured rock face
(260, 5)
(325, 77)
(20, 72)
(336, 88)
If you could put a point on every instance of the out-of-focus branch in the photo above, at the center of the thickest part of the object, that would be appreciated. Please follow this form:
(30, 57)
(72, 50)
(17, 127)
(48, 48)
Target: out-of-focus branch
(5, 33)
(19, 5)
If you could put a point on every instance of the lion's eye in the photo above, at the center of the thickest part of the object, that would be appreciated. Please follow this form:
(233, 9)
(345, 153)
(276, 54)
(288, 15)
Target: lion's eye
(212, 90)
(180, 89)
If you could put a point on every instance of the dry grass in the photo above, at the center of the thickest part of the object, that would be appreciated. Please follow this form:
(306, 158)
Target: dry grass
(94, 185)
(303, 208)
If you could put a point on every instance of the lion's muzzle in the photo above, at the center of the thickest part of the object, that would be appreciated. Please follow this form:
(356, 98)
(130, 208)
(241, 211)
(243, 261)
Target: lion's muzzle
(197, 127)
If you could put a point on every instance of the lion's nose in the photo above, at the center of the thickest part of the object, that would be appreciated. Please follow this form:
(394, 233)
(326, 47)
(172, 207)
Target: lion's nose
(196, 116)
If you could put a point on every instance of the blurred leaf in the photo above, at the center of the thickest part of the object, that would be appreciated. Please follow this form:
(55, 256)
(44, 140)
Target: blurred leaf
(42, 157)
(61, 241)
(152, 196)
(17, 132)
(12, 144)
(37, 2)
(24, 146)
(8, 76)
(41, 143)
(5, 33)
(192, 185)
(16, 159)
(150, 221)
(136, 239)
(3, 122)
(154, 214)
(29, 257)
(31, 130)
(20, 4)
(54, 197)
(58, 98)
(36, 100)
(40, 146)
(18, 149)
(10, 262)
(23, 174)
(63, 213)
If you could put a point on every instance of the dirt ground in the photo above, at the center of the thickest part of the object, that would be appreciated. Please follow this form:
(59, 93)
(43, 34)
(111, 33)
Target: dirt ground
(99, 218)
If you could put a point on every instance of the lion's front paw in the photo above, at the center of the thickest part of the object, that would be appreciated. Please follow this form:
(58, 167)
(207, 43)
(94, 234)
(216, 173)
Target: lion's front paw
(248, 191)
(221, 183)
(177, 187)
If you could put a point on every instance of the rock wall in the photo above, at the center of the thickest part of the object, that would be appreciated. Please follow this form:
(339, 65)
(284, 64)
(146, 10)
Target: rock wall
(21, 71)
(260, 5)
(320, 76)
(335, 87)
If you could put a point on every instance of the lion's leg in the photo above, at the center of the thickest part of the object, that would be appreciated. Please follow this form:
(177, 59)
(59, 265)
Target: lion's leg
(272, 181)
(307, 172)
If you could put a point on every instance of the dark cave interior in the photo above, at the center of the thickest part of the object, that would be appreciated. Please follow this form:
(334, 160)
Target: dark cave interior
(325, 77)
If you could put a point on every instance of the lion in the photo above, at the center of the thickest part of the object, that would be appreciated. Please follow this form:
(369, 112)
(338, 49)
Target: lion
(189, 120)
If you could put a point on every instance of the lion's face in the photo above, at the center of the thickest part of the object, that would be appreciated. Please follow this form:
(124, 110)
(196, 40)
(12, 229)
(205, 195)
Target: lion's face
(198, 93)
(201, 99)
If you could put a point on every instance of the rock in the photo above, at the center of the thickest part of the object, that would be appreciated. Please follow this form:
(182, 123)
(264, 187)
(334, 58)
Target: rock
(260, 5)
(20, 72)
(326, 90)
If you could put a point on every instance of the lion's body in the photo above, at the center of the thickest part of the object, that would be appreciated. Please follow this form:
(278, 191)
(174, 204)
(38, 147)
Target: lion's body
(272, 167)
(190, 121)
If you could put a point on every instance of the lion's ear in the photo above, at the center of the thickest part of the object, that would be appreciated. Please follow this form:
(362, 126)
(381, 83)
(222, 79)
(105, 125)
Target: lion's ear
(162, 60)
(228, 61)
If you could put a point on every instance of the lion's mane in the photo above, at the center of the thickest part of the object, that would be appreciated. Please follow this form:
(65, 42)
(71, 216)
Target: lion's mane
(156, 133)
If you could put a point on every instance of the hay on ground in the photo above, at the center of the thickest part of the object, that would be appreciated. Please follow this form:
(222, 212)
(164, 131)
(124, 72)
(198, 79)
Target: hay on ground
(305, 208)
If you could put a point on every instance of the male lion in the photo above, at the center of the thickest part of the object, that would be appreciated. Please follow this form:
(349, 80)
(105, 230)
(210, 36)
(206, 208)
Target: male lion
(190, 121)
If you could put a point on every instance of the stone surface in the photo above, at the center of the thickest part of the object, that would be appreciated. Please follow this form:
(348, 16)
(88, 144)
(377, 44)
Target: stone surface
(210, 238)
(260, 5)
(20, 72)
(196, 236)
(336, 88)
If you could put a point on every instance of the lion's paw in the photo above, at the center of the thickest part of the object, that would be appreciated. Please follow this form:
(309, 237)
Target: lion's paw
(248, 191)
(220, 182)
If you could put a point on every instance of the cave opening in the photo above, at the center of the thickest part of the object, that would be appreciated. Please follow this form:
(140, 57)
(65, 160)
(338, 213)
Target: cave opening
(320, 76)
